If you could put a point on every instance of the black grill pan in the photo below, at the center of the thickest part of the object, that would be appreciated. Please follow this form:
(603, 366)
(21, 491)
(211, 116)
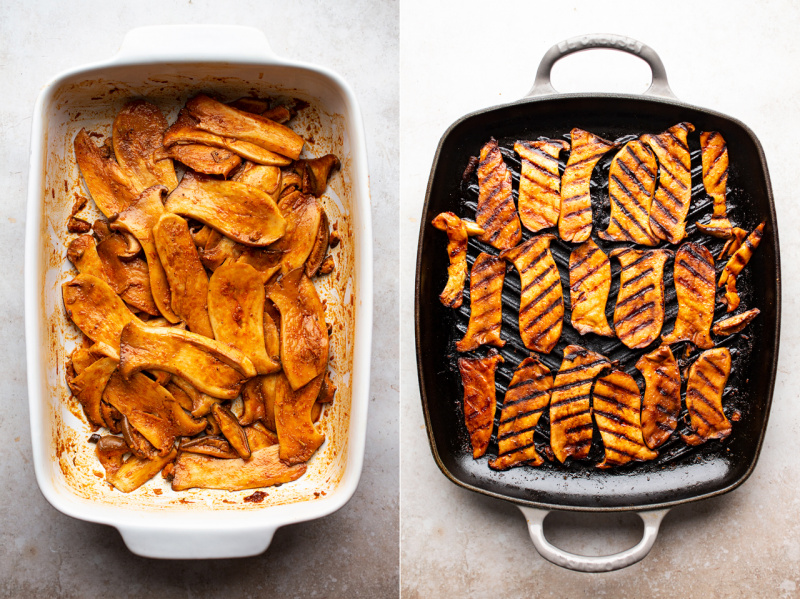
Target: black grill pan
(680, 473)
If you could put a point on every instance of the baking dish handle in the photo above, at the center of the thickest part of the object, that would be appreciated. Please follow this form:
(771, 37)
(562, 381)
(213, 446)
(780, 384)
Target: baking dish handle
(164, 543)
(192, 43)
(542, 85)
(582, 563)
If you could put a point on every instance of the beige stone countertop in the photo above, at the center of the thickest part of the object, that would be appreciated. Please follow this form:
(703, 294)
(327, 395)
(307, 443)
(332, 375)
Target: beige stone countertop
(739, 59)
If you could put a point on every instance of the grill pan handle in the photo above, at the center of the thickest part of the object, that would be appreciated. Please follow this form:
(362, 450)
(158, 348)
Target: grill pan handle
(581, 563)
(542, 85)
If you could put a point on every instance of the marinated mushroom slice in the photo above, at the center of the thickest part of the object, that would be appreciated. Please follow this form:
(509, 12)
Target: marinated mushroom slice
(139, 219)
(151, 410)
(236, 308)
(541, 304)
(735, 324)
(243, 213)
(111, 417)
(526, 399)
(219, 249)
(109, 187)
(202, 158)
(210, 445)
(183, 398)
(110, 452)
(304, 335)
(188, 281)
(735, 265)
(452, 296)
(303, 215)
(83, 356)
(631, 183)
(570, 411)
(297, 435)
(694, 285)
(254, 105)
(253, 400)
(539, 183)
(589, 284)
(96, 310)
(139, 445)
(480, 402)
(210, 366)
(486, 303)
(315, 173)
(231, 430)
(266, 261)
(264, 177)
(616, 404)
(496, 213)
(82, 252)
(706, 383)
(88, 388)
(263, 469)
(714, 155)
(137, 133)
(215, 117)
(661, 405)
(674, 192)
(734, 243)
(319, 250)
(575, 219)
(136, 471)
(201, 403)
(639, 313)
(259, 437)
(272, 336)
(128, 277)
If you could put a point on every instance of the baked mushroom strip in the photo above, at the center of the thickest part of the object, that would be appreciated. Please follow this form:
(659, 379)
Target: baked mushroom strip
(243, 213)
(694, 285)
(735, 265)
(88, 388)
(734, 324)
(297, 435)
(541, 305)
(570, 412)
(457, 233)
(616, 404)
(303, 215)
(110, 188)
(539, 183)
(674, 192)
(210, 366)
(486, 303)
(639, 313)
(480, 402)
(707, 378)
(575, 220)
(201, 158)
(714, 155)
(526, 399)
(589, 284)
(496, 213)
(631, 182)
(662, 395)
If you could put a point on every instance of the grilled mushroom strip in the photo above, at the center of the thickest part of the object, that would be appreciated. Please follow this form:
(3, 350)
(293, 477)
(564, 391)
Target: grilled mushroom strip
(707, 378)
(541, 305)
(714, 154)
(631, 182)
(734, 324)
(457, 233)
(477, 376)
(735, 265)
(486, 303)
(639, 313)
(496, 213)
(734, 243)
(110, 188)
(694, 285)
(674, 193)
(527, 396)
(575, 220)
(570, 414)
(589, 284)
(539, 183)
(662, 395)
(616, 403)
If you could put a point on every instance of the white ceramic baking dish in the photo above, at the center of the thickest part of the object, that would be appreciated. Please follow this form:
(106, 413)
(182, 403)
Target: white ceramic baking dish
(166, 65)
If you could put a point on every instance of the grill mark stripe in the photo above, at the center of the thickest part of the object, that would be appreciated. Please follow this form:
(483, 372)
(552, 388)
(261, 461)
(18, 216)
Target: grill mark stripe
(639, 162)
(583, 259)
(658, 205)
(691, 270)
(538, 279)
(589, 272)
(632, 175)
(539, 168)
(544, 313)
(693, 412)
(636, 295)
(538, 298)
(512, 434)
(635, 262)
(699, 256)
(521, 415)
(539, 152)
(517, 450)
(624, 188)
(641, 275)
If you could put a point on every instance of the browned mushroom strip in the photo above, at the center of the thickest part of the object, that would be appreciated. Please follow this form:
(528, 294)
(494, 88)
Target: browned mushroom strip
(303, 214)
(735, 265)
(265, 178)
(88, 388)
(109, 187)
(541, 305)
(477, 377)
(570, 412)
(232, 431)
(136, 471)
(662, 395)
(631, 182)
(734, 324)
(319, 250)
(315, 172)
(575, 220)
(589, 284)
(294, 423)
(714, 154)
(486, 303)
(202, 158)
(694, 285)
(128, 276)
(674, 193)
(539, 182)
(210, 445)
(526, 399)
(496, 213)
(707, 378)
(734, 243)
(452, 296)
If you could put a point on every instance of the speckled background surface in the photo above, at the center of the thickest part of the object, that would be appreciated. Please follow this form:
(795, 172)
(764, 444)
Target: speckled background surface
(722, 55)
(353, 553)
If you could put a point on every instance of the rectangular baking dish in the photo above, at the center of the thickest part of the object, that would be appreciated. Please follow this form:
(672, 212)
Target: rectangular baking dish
(166, 65)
